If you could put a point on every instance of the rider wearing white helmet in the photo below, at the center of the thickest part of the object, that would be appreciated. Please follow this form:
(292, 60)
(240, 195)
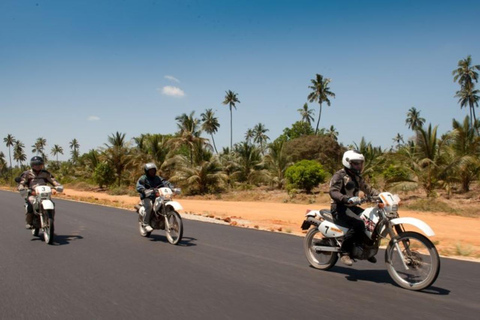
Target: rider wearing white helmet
(344, 191)
(146, 182)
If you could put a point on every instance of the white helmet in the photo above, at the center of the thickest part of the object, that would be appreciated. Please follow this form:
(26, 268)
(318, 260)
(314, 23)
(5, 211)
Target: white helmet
(353, 155)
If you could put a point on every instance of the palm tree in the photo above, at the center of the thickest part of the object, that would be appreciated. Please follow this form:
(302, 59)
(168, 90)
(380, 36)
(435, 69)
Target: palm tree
(18, 154)
(469, 96)
(398, 140)
(414, 121)
(118, 154)
(466, 75)
(189, 134)
(210, 124)
(56, 150)
(321, 93)
(9, 142)
(249, 135)
(74, 145)
(259, 135)
(277, 162)
(465, 144)
(307, 114)
(231, 99)
(39, 147)
(332, 132)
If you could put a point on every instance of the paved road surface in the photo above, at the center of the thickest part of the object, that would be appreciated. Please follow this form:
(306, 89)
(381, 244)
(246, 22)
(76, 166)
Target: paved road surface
(101, 268)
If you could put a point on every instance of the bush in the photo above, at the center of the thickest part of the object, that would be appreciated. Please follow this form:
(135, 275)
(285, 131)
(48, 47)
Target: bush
(104, 174)
(305, 174)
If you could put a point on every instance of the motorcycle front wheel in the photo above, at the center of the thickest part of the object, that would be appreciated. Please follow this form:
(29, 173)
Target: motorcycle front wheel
(420, 257)
(174, 227)
(323, 260)
(48, 227)
(143, 232)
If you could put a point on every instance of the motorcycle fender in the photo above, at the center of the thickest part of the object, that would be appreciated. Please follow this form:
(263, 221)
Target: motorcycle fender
(48, 205)
(331, 230)
(175, 205)
(425, 228)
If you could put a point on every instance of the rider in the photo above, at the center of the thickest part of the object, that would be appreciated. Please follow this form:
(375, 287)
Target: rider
(36, 176)
(344, 191)
(145, 183)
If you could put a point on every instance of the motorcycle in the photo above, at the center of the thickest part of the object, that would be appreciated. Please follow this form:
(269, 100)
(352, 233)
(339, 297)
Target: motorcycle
(43, 210)
(164, 215)
(411, 259)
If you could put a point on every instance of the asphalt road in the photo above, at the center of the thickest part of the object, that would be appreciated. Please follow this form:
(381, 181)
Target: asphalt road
(101, 268)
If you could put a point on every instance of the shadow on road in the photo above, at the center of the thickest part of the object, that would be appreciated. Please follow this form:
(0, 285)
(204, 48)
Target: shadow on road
(60, 240)
(64, 239)
(380, 276)
(185, 242)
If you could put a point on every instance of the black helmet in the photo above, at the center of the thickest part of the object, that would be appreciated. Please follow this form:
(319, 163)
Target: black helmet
(36, 161)
(149, 166)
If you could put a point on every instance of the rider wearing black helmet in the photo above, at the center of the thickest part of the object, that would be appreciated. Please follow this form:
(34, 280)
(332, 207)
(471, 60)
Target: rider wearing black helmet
(344, 191)
(36, 176)
(146, 183)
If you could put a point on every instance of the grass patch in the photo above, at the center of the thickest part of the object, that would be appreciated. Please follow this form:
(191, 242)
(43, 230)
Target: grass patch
(432, 205)
(463, 250)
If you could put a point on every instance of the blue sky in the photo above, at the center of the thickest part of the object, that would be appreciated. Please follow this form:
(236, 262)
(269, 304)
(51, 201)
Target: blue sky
(87, 69)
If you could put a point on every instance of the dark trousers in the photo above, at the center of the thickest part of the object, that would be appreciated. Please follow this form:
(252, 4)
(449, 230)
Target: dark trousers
(349, 217)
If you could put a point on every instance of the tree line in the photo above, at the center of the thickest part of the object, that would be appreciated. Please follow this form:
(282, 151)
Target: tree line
(299, 159)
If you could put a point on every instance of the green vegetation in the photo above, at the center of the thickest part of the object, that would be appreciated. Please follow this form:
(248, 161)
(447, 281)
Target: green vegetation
(297, 160)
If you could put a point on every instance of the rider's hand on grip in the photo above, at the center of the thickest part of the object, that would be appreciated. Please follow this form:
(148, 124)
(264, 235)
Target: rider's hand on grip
(177, 190)
(355, 201)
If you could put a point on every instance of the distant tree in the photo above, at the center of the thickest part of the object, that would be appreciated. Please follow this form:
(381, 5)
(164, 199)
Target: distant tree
(249, 135)
(332, 132)
(104, 174)
(414, 120)
(18, 152)
(118, 155)
(260, 137)
(74, 145)
(466, 75)
(231, 100)
(9, 142)
(468, 96)
(307, 114)
(305, 174)
(56, 150)
(210, 124)
(320, 93)
(298, 129)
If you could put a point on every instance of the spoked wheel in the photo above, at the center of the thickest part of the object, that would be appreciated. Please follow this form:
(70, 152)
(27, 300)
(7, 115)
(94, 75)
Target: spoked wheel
(173, 226)
(420, 257)
(49, 227)
(143, 232)
(319, 259)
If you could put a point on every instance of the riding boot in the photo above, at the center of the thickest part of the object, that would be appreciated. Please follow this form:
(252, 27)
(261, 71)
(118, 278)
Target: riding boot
(29, 220)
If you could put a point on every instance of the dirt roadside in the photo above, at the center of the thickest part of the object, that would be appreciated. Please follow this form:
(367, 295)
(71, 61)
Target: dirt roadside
(455, 236)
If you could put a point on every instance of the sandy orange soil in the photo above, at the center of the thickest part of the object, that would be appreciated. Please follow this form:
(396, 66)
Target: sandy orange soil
(453, 234)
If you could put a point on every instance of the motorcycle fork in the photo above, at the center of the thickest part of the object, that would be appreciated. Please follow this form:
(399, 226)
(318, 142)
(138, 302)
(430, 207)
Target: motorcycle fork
(394, 237)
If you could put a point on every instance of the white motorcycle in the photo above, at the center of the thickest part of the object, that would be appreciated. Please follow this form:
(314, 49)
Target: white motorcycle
(43, 211)
(411, 258)
(164, 215)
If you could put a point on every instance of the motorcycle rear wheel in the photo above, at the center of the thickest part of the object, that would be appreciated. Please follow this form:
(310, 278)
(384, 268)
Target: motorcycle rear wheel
(49, 227)
(323, 260)
(175, 231)
(421, 258)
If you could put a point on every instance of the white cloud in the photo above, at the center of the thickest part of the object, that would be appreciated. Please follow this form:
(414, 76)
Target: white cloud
(171, 78)
(93, 118)
(172, 91)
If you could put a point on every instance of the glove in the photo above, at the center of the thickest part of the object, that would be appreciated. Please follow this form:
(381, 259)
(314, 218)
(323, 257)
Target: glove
(355, 201)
